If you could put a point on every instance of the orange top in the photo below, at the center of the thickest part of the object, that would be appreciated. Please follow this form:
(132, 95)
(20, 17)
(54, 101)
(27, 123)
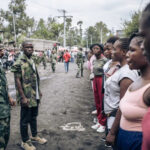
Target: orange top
(66, 57)
(133, 109)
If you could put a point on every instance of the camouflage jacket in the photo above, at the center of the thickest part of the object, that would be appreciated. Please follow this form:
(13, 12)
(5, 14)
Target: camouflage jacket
(53, 58)
(98, 66)
(23, 68)
(4, 100)
(79, 57)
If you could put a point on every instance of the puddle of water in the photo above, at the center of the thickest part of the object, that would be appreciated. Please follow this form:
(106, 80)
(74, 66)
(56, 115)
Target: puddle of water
(73, 126)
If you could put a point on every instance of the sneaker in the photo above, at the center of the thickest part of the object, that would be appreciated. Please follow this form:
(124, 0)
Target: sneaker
(108, 145)
(39, 140)
(95, 120)
(96, 126)
(27, 145)
(101, 129)
(94, 112)
(103, 139)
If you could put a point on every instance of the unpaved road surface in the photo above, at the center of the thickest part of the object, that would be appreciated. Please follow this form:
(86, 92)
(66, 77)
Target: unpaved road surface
(65, 99)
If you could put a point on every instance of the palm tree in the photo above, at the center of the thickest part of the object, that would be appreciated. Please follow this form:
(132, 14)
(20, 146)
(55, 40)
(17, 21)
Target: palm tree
(79, 23)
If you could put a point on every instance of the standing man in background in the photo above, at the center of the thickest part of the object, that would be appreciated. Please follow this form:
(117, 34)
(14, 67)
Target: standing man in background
(53, 60)
(79, 62)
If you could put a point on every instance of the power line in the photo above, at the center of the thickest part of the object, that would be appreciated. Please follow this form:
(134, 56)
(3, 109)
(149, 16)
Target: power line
(48, 7)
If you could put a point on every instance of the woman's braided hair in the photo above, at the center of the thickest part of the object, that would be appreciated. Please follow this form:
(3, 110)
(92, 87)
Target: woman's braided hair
(124, 44)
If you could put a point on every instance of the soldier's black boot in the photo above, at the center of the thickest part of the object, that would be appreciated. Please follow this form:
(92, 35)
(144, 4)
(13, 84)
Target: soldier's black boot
(77, 75)
(81, 73)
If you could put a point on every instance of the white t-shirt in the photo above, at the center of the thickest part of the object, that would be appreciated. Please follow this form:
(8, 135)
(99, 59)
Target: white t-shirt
(105, 68)
(112, 88)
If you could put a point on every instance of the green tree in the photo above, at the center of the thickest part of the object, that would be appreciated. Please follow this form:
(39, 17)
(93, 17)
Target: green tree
(41, 30)
(68, 23)
(17, 9)
(80, 23)
(131, 26)
(54, 28)
(93, 34)
(102, 31)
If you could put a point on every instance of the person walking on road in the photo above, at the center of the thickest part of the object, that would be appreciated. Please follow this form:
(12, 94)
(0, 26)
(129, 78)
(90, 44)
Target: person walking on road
(28, 95)
(43, 60)
(79, 62)
(53, 60)
(66, 60)
(5, 102)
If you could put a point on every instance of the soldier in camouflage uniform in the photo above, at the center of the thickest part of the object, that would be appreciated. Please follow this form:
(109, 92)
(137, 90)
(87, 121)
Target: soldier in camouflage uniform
(5, 102)
(28, 95)
(79, 62)
(53, 60)
(43, 60)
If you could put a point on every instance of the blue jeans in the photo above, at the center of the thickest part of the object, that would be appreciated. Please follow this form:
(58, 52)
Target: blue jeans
(66, 64)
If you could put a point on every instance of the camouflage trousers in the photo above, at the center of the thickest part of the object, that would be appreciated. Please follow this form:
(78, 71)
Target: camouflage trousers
(53, 66)
(4, 132)
(44, 64)
(80, 69)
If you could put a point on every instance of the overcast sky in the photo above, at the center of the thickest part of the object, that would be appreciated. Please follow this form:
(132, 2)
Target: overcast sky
(111, 12)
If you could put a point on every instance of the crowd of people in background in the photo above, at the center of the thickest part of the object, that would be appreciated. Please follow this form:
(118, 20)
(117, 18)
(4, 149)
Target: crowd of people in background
(51, 56)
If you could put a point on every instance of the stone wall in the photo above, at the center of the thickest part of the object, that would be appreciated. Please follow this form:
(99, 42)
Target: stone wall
(41, 45)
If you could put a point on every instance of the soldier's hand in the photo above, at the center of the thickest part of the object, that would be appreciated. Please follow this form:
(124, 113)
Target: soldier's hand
(12, 102)
(41, 95)
(25, 102)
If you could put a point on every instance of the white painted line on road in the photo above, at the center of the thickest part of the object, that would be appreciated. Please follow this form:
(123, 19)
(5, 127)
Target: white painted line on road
(73, 126)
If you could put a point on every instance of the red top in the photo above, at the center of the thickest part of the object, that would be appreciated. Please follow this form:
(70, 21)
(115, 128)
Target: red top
(146, 131)
(66, 57)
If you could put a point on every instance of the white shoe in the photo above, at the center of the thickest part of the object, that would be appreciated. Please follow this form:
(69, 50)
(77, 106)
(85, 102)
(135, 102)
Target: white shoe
(94, 112)
(101, 129)
(95, 120)
(96, 126)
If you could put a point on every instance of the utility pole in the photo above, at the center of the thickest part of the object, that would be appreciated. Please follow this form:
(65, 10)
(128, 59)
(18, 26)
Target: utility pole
(14, 24)
(64, 17)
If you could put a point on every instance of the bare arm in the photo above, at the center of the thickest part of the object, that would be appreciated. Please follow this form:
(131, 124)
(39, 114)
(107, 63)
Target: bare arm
(124, 84)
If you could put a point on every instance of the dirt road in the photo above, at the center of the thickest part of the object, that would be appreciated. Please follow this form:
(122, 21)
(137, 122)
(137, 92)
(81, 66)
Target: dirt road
(66, 99)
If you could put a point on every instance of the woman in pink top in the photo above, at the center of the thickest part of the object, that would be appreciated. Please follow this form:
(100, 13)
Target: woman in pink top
(132, 104)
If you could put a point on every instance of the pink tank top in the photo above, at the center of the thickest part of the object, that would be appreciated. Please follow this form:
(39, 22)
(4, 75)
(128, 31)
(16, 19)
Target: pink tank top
(133, 109)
